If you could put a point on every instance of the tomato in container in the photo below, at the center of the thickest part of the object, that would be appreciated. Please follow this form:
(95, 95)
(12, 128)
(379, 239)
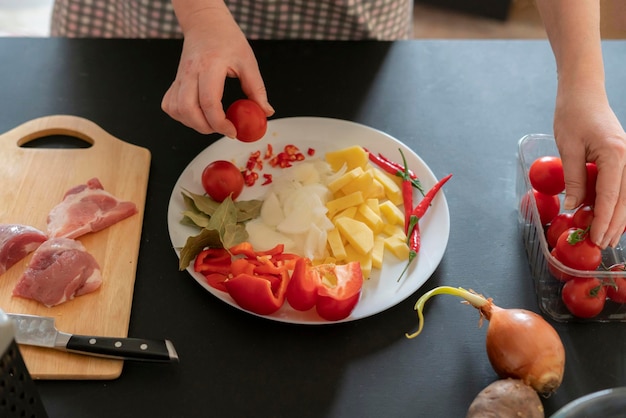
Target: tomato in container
(574, 279)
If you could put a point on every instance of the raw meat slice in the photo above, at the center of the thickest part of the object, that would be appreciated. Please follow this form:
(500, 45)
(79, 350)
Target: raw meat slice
(60, 269)
(87, 208)
(16, 242)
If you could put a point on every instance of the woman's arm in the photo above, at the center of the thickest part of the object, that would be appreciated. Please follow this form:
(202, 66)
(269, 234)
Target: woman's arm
(585, 127)
(214, 48)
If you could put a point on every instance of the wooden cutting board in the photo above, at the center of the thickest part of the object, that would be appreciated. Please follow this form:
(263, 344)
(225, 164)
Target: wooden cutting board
(34, 180)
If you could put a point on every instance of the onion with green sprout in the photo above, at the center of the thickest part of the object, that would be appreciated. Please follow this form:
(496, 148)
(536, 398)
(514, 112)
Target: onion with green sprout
(520, 343)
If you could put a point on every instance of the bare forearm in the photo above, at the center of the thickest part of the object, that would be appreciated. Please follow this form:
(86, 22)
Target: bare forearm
(199, 13)
(573, 28)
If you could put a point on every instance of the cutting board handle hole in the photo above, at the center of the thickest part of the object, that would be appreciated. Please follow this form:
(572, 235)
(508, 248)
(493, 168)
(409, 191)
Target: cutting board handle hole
(56, 141)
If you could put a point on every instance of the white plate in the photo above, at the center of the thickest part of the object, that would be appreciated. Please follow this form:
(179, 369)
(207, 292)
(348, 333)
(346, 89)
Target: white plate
(382, 290)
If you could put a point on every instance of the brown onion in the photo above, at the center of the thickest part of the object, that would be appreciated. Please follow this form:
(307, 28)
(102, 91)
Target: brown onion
(520, 343)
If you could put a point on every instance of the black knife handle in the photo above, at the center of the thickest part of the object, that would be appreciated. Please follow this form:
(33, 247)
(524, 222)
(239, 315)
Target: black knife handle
(123, 348)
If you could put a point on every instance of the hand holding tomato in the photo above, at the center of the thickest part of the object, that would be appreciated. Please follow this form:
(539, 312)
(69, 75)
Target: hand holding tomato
(214, 48)
(587, 130)
(249, 120)
(546, 175)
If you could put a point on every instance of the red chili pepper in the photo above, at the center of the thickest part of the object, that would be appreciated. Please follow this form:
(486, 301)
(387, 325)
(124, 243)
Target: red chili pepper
(250, 178)
(407, 193)
(394, 169)
(424, 204)
(268, 179)
(413, 234)
(397, 166)
(414, 243)
(333, 289)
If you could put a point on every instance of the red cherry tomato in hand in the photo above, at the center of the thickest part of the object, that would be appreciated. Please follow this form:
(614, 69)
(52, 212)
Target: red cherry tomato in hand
(248, 118)
(546, 175)
(575, 249)
(584, 297)
(221, 179)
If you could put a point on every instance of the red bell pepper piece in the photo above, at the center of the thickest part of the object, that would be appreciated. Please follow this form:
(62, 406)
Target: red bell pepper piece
(336, 299)
(255, 293)
(216, 280)
(245, 248)
(215, 265)
(333, 289)
(303, 286)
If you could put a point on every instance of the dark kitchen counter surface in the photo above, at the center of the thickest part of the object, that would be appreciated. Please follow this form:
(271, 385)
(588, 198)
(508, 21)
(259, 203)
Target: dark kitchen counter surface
(460, 105)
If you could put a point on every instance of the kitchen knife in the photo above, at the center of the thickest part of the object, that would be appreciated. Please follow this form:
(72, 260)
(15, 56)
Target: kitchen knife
(41, 331)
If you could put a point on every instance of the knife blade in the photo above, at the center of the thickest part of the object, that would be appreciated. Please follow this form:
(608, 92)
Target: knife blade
(41, 331)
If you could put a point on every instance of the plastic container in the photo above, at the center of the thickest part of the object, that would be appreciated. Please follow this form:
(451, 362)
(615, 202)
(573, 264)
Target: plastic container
(608, 403)
(542, 264)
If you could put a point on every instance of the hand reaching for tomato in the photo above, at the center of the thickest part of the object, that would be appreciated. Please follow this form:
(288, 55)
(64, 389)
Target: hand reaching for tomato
(587, 130)
(214, 48)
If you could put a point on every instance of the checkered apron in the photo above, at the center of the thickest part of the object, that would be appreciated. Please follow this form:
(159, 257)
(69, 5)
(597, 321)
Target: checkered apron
(258, 19)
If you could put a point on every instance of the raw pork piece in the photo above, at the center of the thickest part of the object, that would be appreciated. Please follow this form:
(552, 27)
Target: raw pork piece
(60, 269)
(87, 208)
(16, 242)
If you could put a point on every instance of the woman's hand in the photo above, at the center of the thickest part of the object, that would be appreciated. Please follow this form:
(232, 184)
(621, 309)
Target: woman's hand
(587, 130)
(214, 48)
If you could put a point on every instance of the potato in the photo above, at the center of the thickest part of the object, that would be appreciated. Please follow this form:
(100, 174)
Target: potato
(506, 398)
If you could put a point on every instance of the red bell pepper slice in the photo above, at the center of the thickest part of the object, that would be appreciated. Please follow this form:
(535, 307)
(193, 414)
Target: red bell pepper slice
(245, 248)
(216, 281)
(340, 291)
(255, 293)
(333, 289)
(303, 286)
(210, 258)
(215, 265)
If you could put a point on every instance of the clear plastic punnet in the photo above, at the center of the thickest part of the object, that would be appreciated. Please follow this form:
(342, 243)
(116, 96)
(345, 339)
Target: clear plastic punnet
(544, 268)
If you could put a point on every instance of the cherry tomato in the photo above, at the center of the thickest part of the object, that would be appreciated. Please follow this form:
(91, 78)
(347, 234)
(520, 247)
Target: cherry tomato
(575, 249)
(547, 205)
(584, 297)
(560, 223)
(248, 118)
(616, 291)
(590, 193)
(556, 270)
(546, 175)
(221, 179)
(583, 217)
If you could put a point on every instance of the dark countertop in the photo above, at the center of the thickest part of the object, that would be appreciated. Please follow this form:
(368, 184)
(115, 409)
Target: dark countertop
(460, 105)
